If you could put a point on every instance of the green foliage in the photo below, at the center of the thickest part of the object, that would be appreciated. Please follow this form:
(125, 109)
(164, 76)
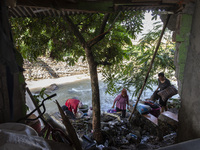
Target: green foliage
(44, 36)
(53, 37)
(41, 95)
(132, 22)
(175, 103)
(131, 72)
(37, 98)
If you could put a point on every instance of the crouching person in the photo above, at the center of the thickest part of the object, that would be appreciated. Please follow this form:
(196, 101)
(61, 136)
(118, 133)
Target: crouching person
(71, 106)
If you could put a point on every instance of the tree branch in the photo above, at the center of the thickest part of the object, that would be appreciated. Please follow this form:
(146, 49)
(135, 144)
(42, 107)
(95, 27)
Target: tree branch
(76, 31)
(84, 44)
(102, 33)
(103, 25)
(85, 26)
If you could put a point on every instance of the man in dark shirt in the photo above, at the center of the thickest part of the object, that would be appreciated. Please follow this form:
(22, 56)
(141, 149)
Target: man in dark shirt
(163, 83)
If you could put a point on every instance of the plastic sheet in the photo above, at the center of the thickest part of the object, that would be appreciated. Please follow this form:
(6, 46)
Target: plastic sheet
(20, 137)
(142, 108)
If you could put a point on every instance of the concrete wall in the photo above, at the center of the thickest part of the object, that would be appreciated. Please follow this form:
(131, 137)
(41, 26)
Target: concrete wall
(183, 31)
(189, 75)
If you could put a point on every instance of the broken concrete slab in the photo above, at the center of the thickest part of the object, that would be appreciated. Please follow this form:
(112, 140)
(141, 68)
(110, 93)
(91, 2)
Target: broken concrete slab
(151, 118)
(170, 118)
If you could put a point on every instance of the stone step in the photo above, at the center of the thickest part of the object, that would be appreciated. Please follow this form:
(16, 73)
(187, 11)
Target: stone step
(170, 115)
(169, 118)
(166, 116)
(151, 118)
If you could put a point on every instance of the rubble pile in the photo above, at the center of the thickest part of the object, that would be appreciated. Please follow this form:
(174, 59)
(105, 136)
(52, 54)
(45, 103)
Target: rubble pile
(139, 134)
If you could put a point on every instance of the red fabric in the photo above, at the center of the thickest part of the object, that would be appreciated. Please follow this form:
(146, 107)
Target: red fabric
(72, 104)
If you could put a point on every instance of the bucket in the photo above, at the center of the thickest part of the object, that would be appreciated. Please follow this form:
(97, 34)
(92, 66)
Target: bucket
(35, 124)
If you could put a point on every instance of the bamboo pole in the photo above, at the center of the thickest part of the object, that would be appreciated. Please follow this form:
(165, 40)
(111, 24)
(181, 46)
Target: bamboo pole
(152, 60)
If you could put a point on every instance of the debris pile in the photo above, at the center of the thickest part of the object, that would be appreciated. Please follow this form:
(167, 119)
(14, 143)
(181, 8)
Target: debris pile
(119, 133)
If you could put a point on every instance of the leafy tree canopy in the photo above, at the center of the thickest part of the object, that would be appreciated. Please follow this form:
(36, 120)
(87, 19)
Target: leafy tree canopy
(52, 37)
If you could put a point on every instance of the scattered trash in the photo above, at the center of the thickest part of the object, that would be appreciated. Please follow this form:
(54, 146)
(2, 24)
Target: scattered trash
(87, 143)
(100, 147)
(84, 108)
(121, 134)
(112, 110)
(169, 136)
(89, 113)
(142, 108)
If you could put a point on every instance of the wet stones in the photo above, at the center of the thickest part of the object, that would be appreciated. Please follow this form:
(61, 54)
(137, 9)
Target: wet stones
(51, 88)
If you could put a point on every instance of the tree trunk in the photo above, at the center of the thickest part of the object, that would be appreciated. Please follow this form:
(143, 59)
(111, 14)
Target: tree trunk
(96, 124)
(96, 116)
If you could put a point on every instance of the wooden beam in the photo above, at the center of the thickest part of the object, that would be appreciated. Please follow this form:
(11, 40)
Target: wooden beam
(97, 5)
(105, 5)
(177, 1)
(27, 12)
(140, 4)
(132, 2)
(30, 11)
(21, 11)
(13, 13)
(17, 12)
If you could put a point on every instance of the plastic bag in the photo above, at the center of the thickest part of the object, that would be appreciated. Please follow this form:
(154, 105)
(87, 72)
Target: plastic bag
(142, 108)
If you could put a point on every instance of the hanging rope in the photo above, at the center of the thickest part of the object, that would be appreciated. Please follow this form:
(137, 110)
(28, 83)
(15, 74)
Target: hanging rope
(152, 60)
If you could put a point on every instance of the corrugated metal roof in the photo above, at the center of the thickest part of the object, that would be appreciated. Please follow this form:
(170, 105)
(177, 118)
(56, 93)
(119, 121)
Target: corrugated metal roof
(25, 11)
(36, 8)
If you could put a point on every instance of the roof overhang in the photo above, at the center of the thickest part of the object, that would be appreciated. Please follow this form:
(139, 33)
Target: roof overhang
(40, 8)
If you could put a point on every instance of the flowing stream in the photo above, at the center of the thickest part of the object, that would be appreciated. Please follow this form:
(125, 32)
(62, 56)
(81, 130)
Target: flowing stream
(82, 90)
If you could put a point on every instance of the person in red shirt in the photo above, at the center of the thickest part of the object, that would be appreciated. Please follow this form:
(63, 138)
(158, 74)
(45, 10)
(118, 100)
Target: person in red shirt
(73, 104)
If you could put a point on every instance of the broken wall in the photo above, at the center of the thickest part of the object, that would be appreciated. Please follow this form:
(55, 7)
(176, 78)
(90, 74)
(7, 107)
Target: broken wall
(187, 62)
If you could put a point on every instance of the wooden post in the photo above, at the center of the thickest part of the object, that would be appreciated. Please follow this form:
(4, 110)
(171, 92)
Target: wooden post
(152, 60)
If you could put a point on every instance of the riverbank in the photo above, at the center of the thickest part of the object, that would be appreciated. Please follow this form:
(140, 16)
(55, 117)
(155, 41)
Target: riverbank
(39, 84)
(47, 68)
